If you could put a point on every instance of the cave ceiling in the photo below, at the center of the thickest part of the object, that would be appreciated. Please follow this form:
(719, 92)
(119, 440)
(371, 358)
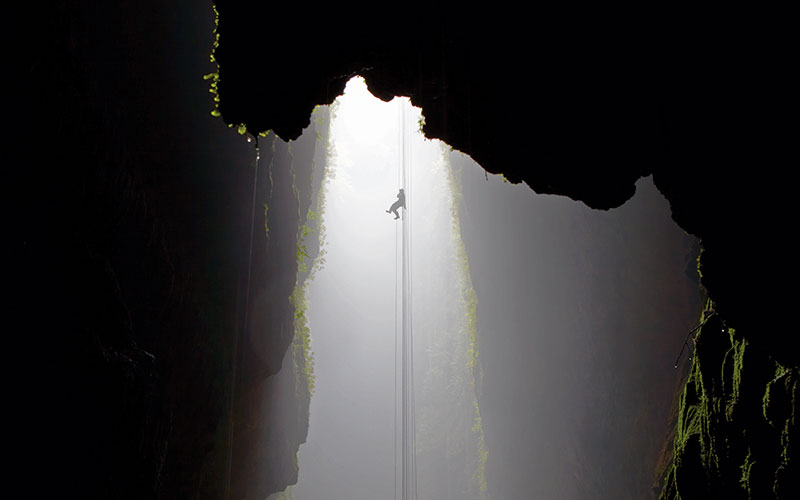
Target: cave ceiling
(579, 103)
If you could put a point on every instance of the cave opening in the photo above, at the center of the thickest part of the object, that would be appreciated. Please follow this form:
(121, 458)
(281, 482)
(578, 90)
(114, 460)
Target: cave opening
(559, 357)
(355, 303)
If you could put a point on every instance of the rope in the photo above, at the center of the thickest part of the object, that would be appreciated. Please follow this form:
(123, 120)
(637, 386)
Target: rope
(412, 399)
(396, 337)
(397, 344)
(406, 325)
(404, 346)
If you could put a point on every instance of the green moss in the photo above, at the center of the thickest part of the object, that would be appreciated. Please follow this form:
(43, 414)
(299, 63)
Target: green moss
(699, 264)
(780, 372)
(266, 219)
(732, 438)
(737, 354)
(302, 355)
(214, 77)
(479, 476)
(302, 255)
(284, 495)
(470, 301)
(307, 266)
(746, 468)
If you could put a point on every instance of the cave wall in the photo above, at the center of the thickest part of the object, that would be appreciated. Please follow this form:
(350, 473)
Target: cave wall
(737, 422)
(580, 316)
(130, 237)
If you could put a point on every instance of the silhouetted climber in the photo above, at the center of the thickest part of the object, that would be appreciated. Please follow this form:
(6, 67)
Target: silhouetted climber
(401, 202)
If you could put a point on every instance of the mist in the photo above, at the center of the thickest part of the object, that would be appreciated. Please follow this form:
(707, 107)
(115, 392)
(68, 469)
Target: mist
(545, 332)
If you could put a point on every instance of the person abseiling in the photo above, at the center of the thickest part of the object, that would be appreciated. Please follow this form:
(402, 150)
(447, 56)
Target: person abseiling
(401, 202)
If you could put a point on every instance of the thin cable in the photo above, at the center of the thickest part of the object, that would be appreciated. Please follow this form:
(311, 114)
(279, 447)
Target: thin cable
(243, 326)
(398, 432)
(394, 437)
(412, 398)
(405, 324)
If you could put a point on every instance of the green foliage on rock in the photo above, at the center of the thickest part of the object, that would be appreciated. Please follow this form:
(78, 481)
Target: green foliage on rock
(454, 374)
(736, 421)
(214, 77)
(310, 251)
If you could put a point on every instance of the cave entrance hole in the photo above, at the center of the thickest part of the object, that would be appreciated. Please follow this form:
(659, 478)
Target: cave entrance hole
(562, 351)
(356, 308)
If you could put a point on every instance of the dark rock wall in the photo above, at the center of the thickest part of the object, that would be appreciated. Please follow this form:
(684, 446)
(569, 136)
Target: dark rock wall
(578, 103)
(130, 237)
(271, 406)
(737, 423)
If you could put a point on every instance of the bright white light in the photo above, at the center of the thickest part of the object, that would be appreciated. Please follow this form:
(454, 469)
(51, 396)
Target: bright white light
(352, 312)
(366, 135)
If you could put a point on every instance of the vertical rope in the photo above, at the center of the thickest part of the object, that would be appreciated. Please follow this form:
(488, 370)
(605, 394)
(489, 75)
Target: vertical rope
(405, 316)
(394, 436)
(412, 399)
(405, 345)
(397, 342)
(396, 349)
